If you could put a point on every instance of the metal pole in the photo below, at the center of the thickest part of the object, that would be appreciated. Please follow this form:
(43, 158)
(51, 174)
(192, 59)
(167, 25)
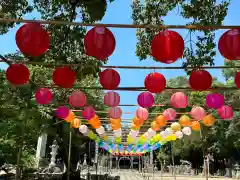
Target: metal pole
(69, 154)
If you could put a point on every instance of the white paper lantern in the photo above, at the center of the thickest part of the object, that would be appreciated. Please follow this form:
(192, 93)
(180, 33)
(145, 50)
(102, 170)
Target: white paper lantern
(117, 133)
(187, 131)
(133, 133)
(146, 135)
(169, 131)
(84, 130)
(100, 130)
(151, 132)
(163, 134)
(179, 134)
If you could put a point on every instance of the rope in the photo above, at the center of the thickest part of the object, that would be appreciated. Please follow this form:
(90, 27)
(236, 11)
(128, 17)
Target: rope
(145, 26)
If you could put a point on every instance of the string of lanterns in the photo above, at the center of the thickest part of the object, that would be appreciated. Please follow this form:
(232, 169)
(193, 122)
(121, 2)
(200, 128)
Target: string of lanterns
(33, 40)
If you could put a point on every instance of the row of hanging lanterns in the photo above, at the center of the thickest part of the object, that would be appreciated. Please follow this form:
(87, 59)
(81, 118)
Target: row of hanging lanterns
(145, 100)
(199, 80)
(167, 46)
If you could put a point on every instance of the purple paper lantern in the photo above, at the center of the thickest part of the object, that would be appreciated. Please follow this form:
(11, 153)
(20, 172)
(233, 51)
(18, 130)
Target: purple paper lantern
(214, 100)
(225, 112)
(88, 112)
(62, 112)
(145, 100)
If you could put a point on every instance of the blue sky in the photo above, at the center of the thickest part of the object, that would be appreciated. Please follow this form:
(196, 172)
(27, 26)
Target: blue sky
(119, 12)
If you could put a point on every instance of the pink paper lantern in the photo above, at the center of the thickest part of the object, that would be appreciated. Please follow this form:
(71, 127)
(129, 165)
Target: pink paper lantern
(44, 96)
(142, 113)
(179, 100)
(145, 100)
(112, 99)
(169, 114)
(115, 112)
(225, 112)
(88, 112)
(197, 113)
(214, 100)
(77, 99)
(62, 112)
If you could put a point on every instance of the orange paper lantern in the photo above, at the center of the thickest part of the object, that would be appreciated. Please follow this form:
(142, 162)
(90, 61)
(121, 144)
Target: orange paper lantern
(116, 123)
(95, 122)
(135, 127)
(185, 121)
(161, 120)
(138, 121)
(76, 123)
(196, 126)
(70, 117)
(155, 126)
(209, 120)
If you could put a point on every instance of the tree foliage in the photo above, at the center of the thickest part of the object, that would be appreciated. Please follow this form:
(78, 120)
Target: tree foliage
(18, 106)
(221, 140)
(200, 51)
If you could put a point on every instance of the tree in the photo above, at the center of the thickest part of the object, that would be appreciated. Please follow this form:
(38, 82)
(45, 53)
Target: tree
(197, 12)
(67, 47)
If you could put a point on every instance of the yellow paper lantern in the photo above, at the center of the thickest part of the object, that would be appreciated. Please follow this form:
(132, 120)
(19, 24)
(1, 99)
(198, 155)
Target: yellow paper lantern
(185, 121)
(130, 140)
(76, 123)
(208, 120)
(173, 137)
(175, 126)
(196, 126)
(70, 117)
(158, 137)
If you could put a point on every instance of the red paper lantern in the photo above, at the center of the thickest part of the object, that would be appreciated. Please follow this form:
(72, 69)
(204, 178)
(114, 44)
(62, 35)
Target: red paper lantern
(229, 44)
(32, 39)
(99, 42)
(237, 79)
(200, 80)
(17, 74)
(77, 99)
(155, 82)
(167, 46)
(64, 77)
(109, 79)
(43, 96)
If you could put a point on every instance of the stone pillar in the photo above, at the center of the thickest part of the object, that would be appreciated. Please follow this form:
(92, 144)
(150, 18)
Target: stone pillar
(110, 164)
(151, 157)
(41, 148)
(96, 152)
